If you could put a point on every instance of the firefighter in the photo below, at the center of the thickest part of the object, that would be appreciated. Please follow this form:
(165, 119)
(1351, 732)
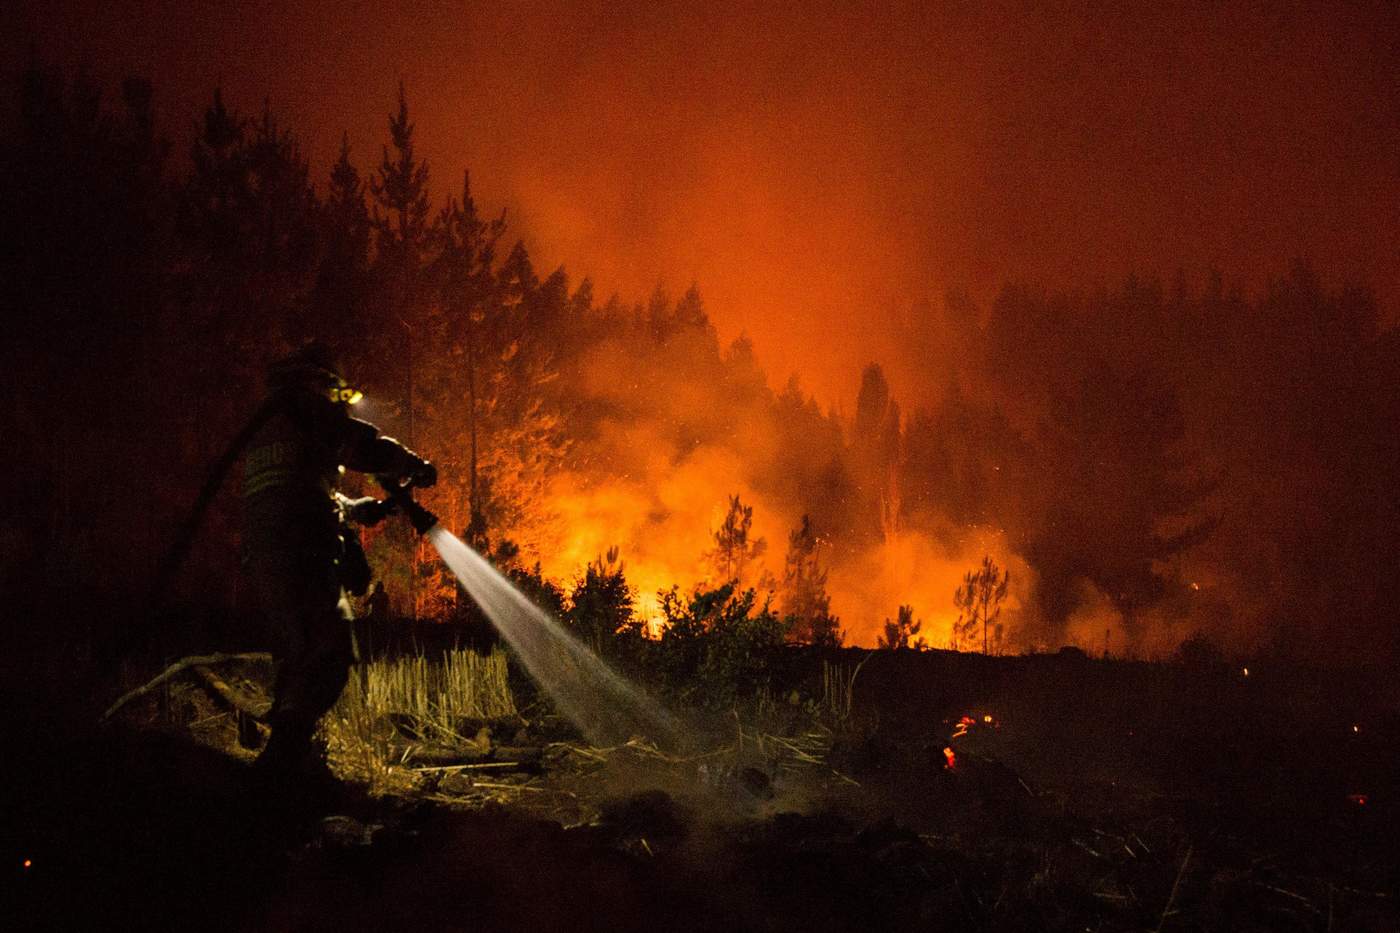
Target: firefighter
(300, 553)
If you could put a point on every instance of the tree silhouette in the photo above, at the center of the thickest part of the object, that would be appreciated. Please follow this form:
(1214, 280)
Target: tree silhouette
(1126, 501)
(803, 590)
(899, 633)
(734, 550)
(877, 439)
(601, 604)
(979, 601)
(342, 282)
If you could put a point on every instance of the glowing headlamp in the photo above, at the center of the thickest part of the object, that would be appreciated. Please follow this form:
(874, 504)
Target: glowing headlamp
(345, 395)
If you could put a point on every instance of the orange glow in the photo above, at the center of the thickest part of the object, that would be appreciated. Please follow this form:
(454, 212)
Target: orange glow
(662, 513)
(987, 718)
(825, 180)
(28, 863)
(807, 170)
(950, 759)
(1359, 800)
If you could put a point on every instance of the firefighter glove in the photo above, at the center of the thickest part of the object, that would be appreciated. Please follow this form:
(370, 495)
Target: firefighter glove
(423, 474)
(368, 511)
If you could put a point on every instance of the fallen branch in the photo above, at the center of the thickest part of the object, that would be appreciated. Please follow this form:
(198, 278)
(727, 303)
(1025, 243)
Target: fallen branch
(256, 707)
(174, 670)
(479, 766)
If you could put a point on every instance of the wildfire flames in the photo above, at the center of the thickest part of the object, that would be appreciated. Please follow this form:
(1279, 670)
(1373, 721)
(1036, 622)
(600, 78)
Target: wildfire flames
(663, 523)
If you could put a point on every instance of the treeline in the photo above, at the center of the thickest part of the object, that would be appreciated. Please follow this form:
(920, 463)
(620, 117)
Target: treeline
(1186, 456)
(148, 292)
(1223, 461)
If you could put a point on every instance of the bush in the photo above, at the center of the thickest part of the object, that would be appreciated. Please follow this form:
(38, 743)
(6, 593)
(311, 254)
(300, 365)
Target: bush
(601, 607)
(715, 648)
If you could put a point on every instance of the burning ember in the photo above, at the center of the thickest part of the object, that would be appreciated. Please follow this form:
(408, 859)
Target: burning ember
(962, 728)
(965, 724)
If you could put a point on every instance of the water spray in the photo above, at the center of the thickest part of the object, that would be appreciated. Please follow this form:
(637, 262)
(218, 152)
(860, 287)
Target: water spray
(584, 688)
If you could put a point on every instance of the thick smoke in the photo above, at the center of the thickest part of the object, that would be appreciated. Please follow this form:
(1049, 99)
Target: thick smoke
(1149, 461)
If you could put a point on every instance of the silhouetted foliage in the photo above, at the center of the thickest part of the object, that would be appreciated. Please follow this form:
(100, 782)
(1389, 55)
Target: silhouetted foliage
(900, 633)
(716, 644)
(1121, 442)
(734, 548)
(602, 604)
(803, 591)
(978, 602)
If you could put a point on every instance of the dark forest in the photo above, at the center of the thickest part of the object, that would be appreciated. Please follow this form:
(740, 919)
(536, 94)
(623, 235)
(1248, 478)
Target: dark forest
(1157, 461)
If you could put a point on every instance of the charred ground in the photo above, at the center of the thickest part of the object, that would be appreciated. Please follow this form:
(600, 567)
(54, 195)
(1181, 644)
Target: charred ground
(1106, 795)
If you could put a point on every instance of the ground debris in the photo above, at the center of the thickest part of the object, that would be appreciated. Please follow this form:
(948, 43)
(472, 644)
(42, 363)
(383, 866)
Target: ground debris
(202, 665)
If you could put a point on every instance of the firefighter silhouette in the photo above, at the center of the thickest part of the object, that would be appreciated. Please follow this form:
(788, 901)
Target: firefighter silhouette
(301, 551)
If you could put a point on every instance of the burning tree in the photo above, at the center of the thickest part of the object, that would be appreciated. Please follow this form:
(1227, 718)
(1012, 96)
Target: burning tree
(803, 591)
(900, 633)
(734, 550)
(979, 602)
(878, 439)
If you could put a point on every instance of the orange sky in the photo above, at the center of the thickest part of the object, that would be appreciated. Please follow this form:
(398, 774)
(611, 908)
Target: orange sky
(819, 168)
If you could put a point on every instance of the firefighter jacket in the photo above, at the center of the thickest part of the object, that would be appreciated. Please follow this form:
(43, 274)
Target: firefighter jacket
(291, 513)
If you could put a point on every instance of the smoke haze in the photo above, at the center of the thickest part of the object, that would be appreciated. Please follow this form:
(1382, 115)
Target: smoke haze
(821, 168)
(958, 193)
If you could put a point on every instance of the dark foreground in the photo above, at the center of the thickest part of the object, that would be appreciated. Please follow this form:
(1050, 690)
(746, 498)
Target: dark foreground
(1101, 797)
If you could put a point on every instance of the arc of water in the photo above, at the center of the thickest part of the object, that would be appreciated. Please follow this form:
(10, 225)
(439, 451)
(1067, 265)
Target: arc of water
(585, 690)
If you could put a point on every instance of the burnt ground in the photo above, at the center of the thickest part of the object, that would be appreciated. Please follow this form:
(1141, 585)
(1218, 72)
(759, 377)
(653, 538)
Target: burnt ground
(1101, 796)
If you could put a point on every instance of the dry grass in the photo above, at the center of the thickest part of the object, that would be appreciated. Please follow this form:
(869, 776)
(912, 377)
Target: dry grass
(838, 690)
(428, 698)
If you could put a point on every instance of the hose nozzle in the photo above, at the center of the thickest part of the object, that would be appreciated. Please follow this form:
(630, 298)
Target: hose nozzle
(400, 498)
(420, 518)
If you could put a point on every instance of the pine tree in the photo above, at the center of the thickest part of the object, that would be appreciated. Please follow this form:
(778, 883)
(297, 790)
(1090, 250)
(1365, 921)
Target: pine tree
(602, 605)
(1116, 441)
(342, 282)
(734, 550)
(877, 437)
(898, 634)
(979, 601)
(803, 590)
(400, 189)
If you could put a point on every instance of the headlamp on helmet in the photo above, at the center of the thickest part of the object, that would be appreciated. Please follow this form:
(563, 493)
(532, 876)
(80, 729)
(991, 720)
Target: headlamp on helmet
(342, 394)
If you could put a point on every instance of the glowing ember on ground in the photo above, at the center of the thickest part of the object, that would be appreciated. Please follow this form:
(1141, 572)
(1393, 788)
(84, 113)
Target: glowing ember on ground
(28, 863)
(1358, 799)
(951, 759)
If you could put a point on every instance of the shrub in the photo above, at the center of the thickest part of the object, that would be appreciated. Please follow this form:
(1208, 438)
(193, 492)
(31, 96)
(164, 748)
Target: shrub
(716, 645)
